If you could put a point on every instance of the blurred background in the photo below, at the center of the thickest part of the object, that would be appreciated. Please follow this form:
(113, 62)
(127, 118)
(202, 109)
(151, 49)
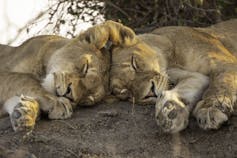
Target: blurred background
(22, 19)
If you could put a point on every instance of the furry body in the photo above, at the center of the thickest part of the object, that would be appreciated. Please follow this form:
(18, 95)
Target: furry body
(201, 63)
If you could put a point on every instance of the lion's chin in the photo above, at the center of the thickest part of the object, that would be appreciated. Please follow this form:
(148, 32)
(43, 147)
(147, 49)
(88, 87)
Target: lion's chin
(149, 100)
(150, 97)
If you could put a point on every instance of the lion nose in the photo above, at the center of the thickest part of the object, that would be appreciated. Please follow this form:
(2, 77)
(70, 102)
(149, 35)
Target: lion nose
(152, 92)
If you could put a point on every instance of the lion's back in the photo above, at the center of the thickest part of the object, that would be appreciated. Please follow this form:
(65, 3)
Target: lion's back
(225, 32)
(28, 56)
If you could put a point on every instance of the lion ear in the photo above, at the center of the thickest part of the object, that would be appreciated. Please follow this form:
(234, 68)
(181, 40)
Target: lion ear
(107, 34)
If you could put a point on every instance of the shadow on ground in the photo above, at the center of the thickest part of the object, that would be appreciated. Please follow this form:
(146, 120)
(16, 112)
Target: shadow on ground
(116, 130)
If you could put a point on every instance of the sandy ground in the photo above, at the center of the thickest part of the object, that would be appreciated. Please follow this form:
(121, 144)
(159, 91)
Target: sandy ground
(116, 130)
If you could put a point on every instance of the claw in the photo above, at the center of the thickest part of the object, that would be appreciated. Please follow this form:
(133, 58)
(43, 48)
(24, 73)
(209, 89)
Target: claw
(91, 99)
(123, 91)
(26, 98)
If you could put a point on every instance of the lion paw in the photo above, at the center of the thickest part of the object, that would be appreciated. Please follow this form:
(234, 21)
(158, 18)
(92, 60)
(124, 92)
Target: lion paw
(171, 114)
(62, 110)
(211, 116)
(24, 114)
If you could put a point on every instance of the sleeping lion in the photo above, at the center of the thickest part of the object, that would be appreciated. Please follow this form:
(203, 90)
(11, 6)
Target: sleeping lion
(183, 70)
(53, 74)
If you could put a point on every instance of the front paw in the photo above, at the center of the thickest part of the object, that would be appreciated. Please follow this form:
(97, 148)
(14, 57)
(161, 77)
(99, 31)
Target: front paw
(211, 114)
(62, 109)
(24, 114)
(171, 114)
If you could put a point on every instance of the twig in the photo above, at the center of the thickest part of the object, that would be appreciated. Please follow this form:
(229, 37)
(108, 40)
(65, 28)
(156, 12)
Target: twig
(196, 140)
(133, 105)
(116, 7)
(20, 30)
(200, 9)
(73, 153)
(69, 125)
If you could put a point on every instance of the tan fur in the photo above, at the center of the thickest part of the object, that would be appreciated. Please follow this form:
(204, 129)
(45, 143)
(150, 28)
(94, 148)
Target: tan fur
(196, 54)
(179, 100)
(57, 73)
(116, 33)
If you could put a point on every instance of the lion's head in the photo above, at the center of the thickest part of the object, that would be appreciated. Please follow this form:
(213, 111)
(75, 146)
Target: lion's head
(138, 70)
(78, 72)
(136, 73)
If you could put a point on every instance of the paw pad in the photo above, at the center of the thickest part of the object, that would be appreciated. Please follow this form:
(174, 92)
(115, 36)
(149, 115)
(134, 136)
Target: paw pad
(210, 116)
(24, 114)
(172, 117)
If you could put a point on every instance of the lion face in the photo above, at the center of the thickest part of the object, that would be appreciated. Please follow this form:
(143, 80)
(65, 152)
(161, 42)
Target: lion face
(79, 73)
(137, 74)
(94, 76)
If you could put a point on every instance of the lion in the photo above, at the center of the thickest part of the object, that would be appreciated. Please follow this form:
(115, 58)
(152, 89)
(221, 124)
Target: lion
(183, 70)
(53, 74)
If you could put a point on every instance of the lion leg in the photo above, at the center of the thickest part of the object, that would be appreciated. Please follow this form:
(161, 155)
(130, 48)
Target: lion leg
(23, 111)
(174, 106)
(217, 104)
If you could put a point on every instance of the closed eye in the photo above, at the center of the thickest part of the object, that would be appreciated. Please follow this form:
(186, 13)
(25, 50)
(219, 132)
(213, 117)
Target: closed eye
(134, 63)
(83, 69)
